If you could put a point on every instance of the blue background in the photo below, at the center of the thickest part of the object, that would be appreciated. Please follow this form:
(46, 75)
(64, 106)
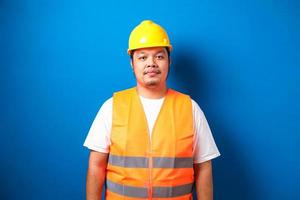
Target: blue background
(60, 60)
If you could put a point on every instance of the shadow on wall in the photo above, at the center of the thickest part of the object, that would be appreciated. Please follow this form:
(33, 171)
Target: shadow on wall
(193, 75)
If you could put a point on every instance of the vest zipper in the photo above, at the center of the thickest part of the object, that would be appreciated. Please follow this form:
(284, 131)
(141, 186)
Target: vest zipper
(150, 166)
(150, 190)
(150, 159)
(150, 176)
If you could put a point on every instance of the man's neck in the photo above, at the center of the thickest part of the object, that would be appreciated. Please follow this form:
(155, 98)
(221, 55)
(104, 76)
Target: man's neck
(152, 92)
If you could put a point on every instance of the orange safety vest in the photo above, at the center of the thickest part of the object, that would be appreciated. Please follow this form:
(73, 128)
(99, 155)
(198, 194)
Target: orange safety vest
(160, 167)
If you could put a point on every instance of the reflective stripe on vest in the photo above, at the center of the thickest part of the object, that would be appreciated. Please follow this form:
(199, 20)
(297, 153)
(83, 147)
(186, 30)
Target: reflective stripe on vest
(142, 192)
(143, 162)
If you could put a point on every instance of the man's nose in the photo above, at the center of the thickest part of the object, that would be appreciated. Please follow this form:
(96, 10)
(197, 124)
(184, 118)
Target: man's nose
(151, 62)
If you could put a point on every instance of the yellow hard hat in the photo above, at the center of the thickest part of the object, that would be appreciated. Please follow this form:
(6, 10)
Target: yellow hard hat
(148, 34)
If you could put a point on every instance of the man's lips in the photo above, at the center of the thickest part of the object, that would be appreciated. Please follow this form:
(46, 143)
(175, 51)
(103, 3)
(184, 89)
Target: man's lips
(152, 72)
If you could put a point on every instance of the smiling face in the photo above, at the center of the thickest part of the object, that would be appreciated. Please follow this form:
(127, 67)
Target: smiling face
(150, 66)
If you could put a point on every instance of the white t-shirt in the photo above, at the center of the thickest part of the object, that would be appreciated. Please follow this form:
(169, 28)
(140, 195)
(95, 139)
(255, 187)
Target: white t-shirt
(204, 147)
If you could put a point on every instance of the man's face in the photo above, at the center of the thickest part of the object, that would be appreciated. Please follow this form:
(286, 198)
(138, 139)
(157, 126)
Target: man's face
(150, 66)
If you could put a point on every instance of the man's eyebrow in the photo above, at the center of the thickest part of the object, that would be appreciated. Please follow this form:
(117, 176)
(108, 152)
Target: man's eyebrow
(160, 52)
(142, 52)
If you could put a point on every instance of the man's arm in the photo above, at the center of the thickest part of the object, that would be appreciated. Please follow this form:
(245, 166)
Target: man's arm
(203, 180)
(96, 175)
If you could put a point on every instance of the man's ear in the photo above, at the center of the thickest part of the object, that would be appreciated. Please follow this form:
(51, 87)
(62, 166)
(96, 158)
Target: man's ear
(131, 64)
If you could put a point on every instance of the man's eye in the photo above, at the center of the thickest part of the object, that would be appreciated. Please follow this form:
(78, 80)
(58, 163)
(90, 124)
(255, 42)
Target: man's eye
(142, 58)
(160, 57)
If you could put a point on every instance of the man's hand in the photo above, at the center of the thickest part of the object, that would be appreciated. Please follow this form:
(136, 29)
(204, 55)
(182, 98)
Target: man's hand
(203, 180)
(96, 175)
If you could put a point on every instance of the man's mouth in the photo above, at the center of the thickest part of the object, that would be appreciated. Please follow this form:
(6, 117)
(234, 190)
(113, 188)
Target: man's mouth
(152, 72)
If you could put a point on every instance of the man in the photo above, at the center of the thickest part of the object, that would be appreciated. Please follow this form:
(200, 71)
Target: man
(150, 142)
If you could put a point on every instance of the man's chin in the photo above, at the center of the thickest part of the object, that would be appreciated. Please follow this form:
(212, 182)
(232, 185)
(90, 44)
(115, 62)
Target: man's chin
(152, 83)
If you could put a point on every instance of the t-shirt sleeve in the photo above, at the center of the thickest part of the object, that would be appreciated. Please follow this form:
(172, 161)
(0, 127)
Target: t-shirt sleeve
(205, 147)
(98, 138)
